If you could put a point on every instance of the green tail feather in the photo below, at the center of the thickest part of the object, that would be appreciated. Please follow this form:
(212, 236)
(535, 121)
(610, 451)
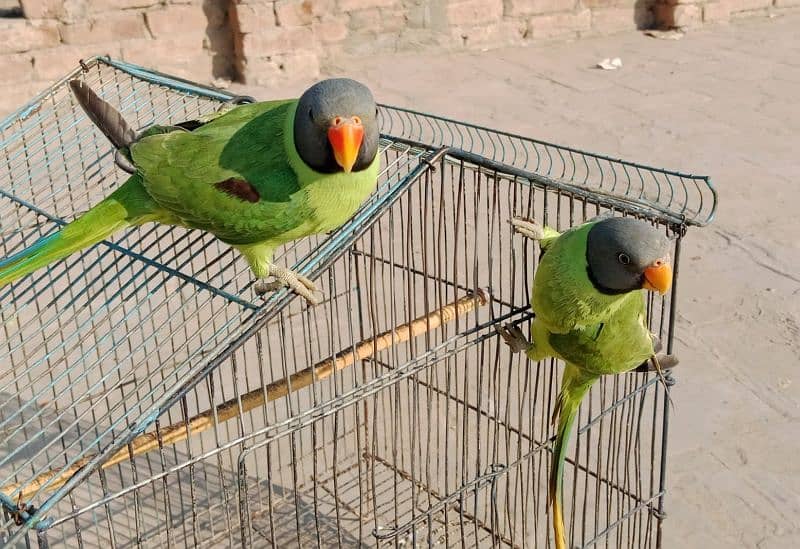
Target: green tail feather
(128, 205)
(574, 386)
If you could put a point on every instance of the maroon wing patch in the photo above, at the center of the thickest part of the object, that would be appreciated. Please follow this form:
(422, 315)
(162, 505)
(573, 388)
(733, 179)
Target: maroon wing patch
(241, 189)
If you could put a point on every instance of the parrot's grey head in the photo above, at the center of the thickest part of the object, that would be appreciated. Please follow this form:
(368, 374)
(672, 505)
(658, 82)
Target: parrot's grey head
(625, 254)
(336, 126)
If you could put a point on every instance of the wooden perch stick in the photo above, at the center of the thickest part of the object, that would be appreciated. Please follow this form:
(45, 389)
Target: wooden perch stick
(172, 434)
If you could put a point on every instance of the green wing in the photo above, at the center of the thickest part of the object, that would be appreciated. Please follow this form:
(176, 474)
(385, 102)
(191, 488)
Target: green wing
(230, 177)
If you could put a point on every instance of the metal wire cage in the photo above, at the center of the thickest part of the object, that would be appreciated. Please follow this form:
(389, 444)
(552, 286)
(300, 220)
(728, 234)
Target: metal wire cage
(149, 398)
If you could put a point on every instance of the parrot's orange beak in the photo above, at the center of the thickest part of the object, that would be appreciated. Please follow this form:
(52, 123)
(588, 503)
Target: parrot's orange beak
(658, 276)
(345, 136)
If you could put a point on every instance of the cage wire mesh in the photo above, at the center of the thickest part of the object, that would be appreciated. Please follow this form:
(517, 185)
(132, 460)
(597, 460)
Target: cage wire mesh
(149, 398)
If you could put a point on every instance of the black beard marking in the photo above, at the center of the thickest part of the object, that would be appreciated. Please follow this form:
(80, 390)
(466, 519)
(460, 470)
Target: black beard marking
(602, 289)
(330, 165)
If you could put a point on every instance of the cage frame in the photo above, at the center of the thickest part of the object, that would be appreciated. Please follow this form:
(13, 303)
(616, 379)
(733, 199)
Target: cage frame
(430, 152)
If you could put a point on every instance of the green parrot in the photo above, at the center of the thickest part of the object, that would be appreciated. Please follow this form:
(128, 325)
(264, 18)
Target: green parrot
(589, 302)
(257, 176)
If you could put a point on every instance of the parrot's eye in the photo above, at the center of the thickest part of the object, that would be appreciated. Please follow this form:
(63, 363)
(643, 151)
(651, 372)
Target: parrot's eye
(623, 258)
(376, 112)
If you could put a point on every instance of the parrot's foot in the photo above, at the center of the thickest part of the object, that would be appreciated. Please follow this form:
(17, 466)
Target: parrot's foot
(527, 228)
(665, 362)
(124, 164)
(657, 346)
(287, 277)
(514, 338)
(241, 99)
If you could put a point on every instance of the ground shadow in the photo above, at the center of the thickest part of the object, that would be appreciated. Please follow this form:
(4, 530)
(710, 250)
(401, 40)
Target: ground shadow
(219, 36)
(644, 14)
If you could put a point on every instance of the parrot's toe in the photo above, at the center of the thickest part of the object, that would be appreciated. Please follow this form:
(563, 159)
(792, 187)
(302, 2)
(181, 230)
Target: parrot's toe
(284, 277)
(665, 362)
(124, 164)
(261, 287)
(657, 345)
(514, 337)
(527, 228)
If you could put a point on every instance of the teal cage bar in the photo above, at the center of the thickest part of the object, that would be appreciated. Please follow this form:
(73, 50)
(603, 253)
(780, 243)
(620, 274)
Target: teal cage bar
(132, 373)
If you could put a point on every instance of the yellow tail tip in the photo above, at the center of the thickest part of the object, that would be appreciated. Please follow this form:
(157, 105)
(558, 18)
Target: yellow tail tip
(558, 526)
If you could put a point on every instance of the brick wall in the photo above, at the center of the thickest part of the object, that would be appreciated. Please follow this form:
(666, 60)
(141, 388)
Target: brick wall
(261, 41)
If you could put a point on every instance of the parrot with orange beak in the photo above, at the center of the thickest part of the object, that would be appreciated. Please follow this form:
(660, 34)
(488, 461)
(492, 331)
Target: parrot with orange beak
(257, 176)
(589, 302)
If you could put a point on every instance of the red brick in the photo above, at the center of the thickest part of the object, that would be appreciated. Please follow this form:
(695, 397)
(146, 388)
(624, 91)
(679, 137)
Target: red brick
(219, 40)
(353, 5)
(559, 24)
(19, 35)
(531, 7)
(417, 17)
(393, 20)
(277, 40)
(365, 44)
(688, 15)
(253, 18)
(14, 96)
(378, 20)
(42, 9)
(171, 56)
(491, 35)
(613, 19)
(610, 3)
(176, 20)
(216, 13)
(680, 15)
(74, 12)
(53, 63)
(747, 5)
(266, 70)
(368, 20)
(474, 12)
(716, 12)
(99, 6)
(16, 67)
(330, 30)
(294, 13)
(111, 27)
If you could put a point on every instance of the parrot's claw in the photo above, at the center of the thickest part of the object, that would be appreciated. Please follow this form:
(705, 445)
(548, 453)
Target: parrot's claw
(242, 99)
(527, 228)
(514, 338)
(665, 362)
(284, 277)
(657, 346)
(124, 164)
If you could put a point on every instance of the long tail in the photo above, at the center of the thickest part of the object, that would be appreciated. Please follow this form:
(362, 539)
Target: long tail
(128, 205)
(106, 117)
(574, 386)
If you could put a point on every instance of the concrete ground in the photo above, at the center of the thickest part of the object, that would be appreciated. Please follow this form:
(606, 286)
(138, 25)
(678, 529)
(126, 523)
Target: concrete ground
(724, 102)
